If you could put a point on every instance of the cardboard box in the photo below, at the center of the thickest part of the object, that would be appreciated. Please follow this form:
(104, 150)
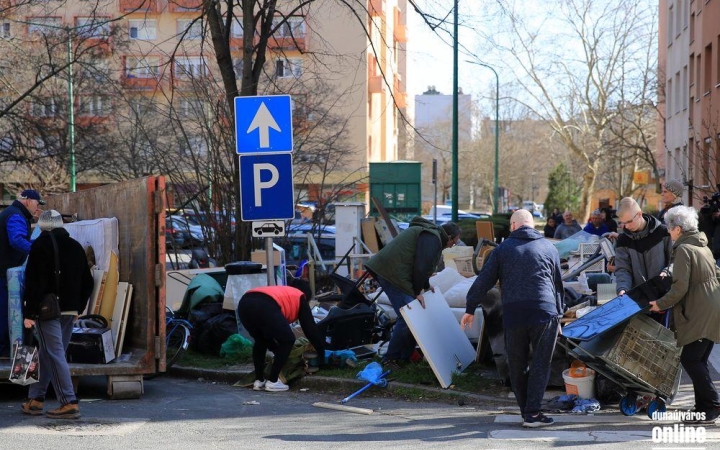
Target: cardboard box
(260, 256)
(91, 346)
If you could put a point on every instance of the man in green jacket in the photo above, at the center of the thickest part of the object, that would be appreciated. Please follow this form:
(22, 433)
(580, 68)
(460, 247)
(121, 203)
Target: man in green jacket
(403, 269)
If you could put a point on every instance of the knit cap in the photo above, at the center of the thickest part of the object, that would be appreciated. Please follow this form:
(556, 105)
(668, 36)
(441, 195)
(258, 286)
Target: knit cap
(674, 186)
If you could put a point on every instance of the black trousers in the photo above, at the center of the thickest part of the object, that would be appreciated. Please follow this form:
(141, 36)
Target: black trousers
(263, 319)
(530, 378)
(694, 359)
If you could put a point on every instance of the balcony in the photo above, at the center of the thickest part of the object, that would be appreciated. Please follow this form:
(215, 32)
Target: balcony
(399, 94)
(376, 7)
(184, 5)
(287, 43)
(399, 29)
(127, 6)
(376, 85)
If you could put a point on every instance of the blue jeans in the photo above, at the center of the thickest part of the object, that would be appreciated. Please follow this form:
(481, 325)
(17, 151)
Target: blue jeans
(4, 318)
(402, 343)
(54, 338)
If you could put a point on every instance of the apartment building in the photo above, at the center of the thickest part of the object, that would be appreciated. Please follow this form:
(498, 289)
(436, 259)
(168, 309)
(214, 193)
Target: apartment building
(157, 49)
(689, 99)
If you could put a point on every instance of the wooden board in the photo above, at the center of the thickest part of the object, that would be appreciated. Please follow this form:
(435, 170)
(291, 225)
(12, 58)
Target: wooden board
(123, 322)
(100, 292)
(485, 230)
(369, 234)
(119, 310)
(438, 333)
(111, 286)
(98, 286)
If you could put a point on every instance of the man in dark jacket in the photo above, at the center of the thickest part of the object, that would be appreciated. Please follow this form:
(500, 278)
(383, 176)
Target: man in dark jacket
(531, 289)
(643, 248)
(73, 290)
(403, 269)
(15, 223)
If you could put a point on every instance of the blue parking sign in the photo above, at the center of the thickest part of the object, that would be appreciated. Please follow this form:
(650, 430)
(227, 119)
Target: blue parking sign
(263, 124)
(266, 187)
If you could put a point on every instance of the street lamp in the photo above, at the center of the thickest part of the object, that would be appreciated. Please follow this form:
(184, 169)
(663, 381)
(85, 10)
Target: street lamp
(496, 190)
(71, 96)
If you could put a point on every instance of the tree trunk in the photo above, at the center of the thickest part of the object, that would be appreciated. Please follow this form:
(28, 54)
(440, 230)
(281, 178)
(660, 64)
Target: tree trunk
(587, 191)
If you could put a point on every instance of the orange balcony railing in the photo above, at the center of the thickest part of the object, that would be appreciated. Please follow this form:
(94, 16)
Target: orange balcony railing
(376, 84)
(287, 43)
(138, 6)
(376, 7)
(184, 5)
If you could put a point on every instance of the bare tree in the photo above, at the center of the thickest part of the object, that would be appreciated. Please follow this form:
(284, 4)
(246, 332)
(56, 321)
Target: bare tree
(577, 87)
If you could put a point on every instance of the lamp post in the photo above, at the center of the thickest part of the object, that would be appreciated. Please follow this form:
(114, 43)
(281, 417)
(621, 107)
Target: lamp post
(70, 94)
(496, 191)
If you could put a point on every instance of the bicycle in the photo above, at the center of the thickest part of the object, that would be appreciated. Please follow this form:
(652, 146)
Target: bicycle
(177, 337)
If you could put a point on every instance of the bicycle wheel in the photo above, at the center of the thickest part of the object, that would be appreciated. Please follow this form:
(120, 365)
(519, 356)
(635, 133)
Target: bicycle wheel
(178, 338)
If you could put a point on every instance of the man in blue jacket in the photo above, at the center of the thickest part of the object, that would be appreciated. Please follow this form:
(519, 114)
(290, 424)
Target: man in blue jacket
(15, 223)
(531, 289)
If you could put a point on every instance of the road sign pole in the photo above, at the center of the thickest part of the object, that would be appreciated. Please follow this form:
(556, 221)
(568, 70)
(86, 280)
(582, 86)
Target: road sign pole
(270, 261)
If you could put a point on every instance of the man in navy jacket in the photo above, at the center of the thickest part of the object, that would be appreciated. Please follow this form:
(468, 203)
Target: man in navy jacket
(531, 289)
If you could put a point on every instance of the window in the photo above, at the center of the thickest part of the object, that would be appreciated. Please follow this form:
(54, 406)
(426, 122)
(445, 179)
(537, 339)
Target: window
(299, 107)
(44, 25)
(194, 146)
(684, 92)
(287, 68)
(670, 21)
(669, 97)
(189, 29)
(46, 108)
(678, 18)
(190, 107)
(292, 27)
(717, 61)
(698, 72)
(691, 72)
(147, 67)
(236, 30)
(140, 105)
(142, 29)
(190, 67)
(95, 105)
(238, 65)
(692, 27)
(92, 27)
(5, 30)
(707, 80)
(678, 92)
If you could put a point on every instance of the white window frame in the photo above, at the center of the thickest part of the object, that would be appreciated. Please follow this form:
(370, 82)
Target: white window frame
(5, 30)
(142, 29)
(45, 25)
(189, 67)
(194, 28)
(236, 29)
(294, 26)
(45, 109)
(142, 67)
(95, 106)
(288, 68)
(190, 107)
(93, 27)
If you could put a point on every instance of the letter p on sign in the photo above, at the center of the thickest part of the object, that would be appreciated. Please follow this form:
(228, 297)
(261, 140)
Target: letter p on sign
(266, 187)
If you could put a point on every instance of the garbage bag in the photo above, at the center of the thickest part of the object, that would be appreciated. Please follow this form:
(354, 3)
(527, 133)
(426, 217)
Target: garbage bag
(372, 374)
(234, 346)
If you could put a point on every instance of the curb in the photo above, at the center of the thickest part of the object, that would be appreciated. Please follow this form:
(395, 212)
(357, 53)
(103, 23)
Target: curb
(348, 385)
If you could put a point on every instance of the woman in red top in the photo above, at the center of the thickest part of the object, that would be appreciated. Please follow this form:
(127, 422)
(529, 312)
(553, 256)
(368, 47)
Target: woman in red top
(266, 312)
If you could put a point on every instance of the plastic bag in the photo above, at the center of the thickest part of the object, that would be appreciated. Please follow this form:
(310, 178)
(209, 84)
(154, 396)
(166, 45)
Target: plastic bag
(234, 346)
(372, 374)
(341, 357)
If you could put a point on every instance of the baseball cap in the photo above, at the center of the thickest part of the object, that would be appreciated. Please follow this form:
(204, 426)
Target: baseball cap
(32, 194)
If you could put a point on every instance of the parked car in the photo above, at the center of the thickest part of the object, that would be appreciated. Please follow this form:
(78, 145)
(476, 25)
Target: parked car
(193, 233)
(304, 228)
(174, 235)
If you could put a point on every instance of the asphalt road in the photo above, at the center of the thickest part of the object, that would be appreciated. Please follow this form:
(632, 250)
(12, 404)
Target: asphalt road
(176, 413)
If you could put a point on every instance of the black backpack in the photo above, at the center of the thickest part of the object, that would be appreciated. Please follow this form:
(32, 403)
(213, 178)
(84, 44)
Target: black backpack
(210, 334)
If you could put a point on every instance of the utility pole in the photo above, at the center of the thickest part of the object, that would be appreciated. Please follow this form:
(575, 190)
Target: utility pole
(455, 117)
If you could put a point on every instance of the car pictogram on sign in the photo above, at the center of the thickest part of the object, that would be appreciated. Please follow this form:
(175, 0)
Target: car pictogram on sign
(268, 227)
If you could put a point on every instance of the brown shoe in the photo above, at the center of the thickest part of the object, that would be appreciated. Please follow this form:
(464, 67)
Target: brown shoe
(32, 407)
(66, 411)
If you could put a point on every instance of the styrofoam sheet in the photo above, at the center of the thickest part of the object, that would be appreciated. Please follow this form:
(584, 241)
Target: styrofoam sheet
(438, 333)
(100, 234)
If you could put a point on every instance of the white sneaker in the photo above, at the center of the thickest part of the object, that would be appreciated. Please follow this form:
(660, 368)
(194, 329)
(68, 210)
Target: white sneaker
(258, 385)
(277, 386)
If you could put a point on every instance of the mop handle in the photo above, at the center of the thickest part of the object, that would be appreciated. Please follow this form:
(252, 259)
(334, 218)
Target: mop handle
(362, 389)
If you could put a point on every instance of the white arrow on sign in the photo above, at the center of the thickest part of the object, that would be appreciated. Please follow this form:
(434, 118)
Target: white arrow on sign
(264, 121)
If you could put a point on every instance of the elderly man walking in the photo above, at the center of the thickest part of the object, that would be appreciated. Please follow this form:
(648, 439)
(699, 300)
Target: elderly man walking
(531, 289)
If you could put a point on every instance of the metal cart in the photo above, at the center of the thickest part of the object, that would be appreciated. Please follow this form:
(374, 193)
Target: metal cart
(630, 349)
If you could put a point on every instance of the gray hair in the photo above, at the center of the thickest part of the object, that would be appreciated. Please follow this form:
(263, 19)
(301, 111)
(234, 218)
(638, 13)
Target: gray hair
(49, 220)
(685, 217)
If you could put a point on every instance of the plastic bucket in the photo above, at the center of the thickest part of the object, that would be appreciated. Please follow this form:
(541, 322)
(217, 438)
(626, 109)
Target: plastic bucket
(579, 383)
